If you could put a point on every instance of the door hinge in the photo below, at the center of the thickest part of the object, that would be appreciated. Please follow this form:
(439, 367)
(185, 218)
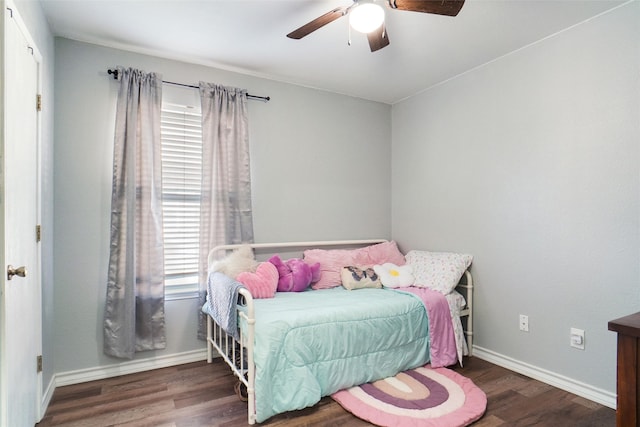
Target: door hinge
(38, 233)
(39, 102)
(39, 364)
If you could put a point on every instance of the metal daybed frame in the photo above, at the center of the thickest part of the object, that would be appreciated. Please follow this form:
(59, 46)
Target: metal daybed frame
(238, 354)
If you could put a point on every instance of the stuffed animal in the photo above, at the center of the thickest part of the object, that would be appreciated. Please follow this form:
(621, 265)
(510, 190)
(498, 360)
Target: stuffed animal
(295, 275)
(236, 262)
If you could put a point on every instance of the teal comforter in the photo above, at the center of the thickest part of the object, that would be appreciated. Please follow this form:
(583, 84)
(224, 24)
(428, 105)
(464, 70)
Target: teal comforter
(314, 343)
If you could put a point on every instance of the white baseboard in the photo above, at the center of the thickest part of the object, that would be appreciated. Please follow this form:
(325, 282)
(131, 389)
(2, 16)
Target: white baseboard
(102, 372)
(47, 395)
(581, 389)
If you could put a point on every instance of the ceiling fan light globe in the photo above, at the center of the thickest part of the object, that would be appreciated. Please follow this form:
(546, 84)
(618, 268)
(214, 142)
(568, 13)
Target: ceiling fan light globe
(366, 17)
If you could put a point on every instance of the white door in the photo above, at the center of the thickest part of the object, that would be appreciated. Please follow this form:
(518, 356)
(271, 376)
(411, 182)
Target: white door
(20, 312)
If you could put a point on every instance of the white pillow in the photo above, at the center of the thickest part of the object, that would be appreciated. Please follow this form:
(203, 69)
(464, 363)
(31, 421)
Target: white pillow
(440, 271)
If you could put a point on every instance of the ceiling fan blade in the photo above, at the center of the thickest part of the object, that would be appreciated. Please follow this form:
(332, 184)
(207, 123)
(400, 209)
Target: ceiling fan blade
(439, 7)
(319, 22)
(378, 38)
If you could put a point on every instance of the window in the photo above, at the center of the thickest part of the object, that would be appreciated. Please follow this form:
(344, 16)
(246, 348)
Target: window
(181, 135)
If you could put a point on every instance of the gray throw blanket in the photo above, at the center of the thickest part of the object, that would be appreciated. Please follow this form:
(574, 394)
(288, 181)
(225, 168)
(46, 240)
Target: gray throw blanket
(222, 300)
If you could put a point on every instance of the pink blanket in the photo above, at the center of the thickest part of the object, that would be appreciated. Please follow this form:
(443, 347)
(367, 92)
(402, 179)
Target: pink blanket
(441, 337)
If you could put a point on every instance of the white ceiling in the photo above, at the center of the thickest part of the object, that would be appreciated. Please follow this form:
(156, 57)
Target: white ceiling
(249, 36)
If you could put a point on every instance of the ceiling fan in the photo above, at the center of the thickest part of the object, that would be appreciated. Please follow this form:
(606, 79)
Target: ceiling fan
(367, 16)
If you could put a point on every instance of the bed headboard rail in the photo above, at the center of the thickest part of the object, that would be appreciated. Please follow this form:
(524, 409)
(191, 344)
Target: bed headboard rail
(289, 245)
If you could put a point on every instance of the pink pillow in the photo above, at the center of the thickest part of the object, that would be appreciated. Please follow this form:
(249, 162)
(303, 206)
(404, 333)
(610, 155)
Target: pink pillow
(332, 261)
(262, 283)
(386, 252)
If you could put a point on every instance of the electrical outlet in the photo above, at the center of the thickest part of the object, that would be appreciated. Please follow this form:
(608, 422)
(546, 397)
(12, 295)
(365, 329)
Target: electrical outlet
(524, 323)
(576, 338)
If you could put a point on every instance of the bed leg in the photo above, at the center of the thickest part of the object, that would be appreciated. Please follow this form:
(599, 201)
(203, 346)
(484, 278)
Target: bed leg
(251, 367)
(470, 317)
(251, 395)
(209, 338)
(251, 373)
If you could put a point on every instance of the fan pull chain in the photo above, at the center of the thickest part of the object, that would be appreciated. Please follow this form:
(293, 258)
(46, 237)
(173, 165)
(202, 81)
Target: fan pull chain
(349, 39)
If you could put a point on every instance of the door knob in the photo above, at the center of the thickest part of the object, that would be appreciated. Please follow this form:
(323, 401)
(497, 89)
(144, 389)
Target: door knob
(20, 271)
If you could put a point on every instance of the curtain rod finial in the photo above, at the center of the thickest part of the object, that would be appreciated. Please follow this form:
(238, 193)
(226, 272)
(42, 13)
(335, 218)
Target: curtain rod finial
(114, 72)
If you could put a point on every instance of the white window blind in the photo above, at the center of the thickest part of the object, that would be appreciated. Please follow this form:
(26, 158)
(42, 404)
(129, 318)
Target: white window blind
(181, 134)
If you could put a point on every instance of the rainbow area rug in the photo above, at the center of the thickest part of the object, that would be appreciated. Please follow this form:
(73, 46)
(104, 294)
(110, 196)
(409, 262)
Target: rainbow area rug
(422, 397)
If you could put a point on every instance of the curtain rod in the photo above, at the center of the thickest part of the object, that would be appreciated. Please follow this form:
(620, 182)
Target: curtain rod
(262, 98)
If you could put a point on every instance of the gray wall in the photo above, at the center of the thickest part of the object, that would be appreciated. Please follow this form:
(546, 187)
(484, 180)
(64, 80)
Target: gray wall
(531, 164)
(320, 170)
(36, 22)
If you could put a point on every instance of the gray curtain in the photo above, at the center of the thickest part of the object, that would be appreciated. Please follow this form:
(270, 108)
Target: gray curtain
(225, 210)
(134, 310)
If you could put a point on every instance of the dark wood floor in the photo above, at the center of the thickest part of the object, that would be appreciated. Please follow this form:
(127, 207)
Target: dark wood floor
(198, 394)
